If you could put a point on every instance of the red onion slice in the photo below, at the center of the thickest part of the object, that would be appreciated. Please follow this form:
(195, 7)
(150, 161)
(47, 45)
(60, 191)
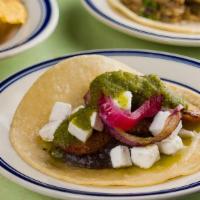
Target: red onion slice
(115, 117)
(132, 140)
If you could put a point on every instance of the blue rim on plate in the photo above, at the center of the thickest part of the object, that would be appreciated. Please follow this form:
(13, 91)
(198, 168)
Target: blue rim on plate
(45, 19)
(4, 84)
(92, 6)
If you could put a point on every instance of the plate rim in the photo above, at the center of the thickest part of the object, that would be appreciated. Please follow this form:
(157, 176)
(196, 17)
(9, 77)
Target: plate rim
(51, 16)
(116, 52)
(88, 4)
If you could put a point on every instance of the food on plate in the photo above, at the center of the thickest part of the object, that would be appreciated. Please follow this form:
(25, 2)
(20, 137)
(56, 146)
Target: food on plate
(170, 15)
(92, 120)
(12, 14)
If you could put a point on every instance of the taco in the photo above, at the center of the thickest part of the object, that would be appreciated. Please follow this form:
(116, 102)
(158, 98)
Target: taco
(181, 16)
(94, 121)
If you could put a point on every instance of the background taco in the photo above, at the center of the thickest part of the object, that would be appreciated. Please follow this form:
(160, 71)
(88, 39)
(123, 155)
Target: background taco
(173, 16)
(68, 81)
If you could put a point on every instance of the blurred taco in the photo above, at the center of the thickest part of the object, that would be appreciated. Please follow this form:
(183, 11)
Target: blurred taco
(170, 15)
(107, 140)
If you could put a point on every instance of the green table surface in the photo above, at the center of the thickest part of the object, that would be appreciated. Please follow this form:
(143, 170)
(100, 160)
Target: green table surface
(76, 31)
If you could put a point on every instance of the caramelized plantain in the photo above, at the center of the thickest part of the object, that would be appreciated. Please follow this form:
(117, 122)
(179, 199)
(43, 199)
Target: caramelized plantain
(95, 143)
(191, 116)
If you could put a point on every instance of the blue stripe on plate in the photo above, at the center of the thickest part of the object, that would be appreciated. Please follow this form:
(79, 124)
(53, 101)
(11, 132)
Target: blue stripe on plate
(47, 13)
(90, 5)
(4, 84)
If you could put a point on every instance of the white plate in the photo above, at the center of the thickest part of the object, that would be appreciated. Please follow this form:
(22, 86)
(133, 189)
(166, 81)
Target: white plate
(41, 22)
(102, 11)
(173, 68)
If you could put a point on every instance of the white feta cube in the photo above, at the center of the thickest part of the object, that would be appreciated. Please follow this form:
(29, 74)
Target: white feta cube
(60, 111)
(78, 132)
(186, 133)
(159, 122)
(96, 122)
(120, 157)
(145, 157)
(124, 100)
(77, 108)
(47, 131)
(170, 145)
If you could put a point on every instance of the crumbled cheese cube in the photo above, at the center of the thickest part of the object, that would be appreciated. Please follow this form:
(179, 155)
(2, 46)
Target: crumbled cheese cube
(60, 111)
(145, 157)
(78, 132)
(159, 122)
(171, 145)
(47, 131)
(120, 157)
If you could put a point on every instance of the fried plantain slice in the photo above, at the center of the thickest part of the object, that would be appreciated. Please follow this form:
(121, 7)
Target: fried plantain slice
(191, 116)
(95, 143)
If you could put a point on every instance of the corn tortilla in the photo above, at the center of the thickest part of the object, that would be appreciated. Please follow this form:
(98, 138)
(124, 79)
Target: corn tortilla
(68, 81)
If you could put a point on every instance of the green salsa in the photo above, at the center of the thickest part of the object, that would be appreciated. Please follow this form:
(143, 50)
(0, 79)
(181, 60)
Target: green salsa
(62, 138)
(82, 117)
(142, 88)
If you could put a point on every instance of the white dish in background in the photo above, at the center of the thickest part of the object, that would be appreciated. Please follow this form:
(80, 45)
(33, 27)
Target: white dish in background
(173, 68)
(41, 22)
(103, 12)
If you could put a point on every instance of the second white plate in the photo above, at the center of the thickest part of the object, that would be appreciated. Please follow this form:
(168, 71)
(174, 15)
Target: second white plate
(103, 12)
